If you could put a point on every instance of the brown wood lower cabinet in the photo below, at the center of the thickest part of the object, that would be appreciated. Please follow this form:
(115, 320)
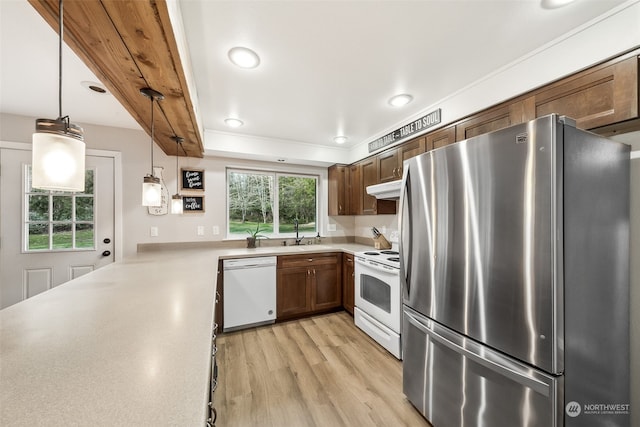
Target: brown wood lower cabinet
(348, 282)
(307, 284)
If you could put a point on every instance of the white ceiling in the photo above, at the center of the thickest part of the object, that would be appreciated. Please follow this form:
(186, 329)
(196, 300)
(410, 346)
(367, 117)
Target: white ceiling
(328, 67)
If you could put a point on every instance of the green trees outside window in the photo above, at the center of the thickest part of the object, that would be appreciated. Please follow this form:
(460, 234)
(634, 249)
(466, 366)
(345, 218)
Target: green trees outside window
(273, 200)
(59, 220)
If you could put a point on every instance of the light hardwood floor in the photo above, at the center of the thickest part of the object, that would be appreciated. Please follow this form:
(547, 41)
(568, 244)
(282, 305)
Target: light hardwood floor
(320, 371)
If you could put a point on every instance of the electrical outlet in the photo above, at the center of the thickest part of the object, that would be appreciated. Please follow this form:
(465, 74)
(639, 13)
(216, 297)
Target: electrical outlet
(216, 230)
(200, 230)
(331, 227)
(154, 231)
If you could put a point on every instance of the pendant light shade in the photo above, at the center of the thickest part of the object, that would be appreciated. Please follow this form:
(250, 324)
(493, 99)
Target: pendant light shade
(176, 204)
(151, 191)
(58, 146)
(176, 200)
(57, 156)
(151, 188)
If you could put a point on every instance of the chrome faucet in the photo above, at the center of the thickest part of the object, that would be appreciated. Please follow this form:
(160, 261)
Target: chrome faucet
(295, 226)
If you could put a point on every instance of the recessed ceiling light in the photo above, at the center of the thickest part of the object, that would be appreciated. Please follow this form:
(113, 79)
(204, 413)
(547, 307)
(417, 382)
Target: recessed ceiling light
(244, 57)
(340, 139)
(400, 100)
(95, 87)
(233, 123)
(554, 4)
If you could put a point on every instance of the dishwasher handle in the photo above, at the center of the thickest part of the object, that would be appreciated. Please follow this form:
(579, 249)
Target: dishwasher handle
(244, 263)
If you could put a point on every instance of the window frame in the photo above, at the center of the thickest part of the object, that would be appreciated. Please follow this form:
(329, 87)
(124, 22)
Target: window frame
(276, 199)
(50, 223)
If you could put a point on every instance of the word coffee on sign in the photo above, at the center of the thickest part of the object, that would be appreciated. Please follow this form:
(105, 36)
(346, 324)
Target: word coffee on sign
(193, 204)
(192, 179)
(419, 125)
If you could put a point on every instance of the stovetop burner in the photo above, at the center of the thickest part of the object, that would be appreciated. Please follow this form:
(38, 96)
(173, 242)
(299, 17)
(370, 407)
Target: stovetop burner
(371, 253)
(394, 259)
(390, 252)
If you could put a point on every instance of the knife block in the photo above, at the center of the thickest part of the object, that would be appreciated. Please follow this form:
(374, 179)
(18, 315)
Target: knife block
(381, 242)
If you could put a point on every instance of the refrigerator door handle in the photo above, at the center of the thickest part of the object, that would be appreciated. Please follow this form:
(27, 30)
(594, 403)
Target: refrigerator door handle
(518, 374)
(405, 234)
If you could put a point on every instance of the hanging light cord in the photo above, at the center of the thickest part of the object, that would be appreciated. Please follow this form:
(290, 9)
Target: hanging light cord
(152, 132)
(179, 144)
(64, 119)
(60, 30)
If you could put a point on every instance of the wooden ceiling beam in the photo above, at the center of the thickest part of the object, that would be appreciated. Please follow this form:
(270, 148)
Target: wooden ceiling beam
(128, 45)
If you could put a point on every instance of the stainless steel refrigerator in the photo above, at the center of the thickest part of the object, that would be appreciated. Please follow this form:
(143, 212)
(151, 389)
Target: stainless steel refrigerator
(515, 268)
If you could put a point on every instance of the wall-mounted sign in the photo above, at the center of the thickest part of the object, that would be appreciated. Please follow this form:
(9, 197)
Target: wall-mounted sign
(419, 125)
(193, 204)
(192, 179)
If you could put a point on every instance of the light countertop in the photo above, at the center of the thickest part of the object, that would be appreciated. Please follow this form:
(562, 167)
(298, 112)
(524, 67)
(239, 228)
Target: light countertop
(128, 344)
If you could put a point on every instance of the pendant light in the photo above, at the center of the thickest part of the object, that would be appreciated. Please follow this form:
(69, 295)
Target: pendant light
(58, 145)
(176, 199)
(151, 188)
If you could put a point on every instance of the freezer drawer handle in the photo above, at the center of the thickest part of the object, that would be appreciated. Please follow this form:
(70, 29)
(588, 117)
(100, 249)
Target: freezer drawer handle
(521, 378)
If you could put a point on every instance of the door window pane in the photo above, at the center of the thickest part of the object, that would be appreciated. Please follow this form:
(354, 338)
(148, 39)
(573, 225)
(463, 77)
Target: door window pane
(38, 207)
(61, 237)
(38, 236)
(62, 208)
(59, 220)
(84, 236)
(84, 208)
(88, 181)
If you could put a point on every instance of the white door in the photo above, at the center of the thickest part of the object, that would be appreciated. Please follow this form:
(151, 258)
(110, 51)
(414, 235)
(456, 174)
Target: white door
(48, 238)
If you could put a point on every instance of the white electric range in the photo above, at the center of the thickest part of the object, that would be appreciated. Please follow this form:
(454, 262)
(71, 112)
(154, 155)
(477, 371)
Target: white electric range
(378, 303)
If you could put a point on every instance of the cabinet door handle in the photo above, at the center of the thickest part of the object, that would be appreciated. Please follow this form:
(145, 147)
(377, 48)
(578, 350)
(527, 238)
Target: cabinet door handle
(314, 271)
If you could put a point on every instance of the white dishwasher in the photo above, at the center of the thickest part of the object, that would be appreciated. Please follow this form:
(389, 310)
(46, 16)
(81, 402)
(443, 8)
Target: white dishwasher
(249, 292)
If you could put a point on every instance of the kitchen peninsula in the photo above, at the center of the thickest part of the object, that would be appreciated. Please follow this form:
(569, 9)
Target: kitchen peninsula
(128, 344)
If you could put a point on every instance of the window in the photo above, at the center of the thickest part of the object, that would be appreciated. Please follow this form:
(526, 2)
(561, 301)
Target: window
(57, 220)
(271, 202)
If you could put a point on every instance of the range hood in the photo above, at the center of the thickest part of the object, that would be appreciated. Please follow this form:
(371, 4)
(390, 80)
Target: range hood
(387, 190)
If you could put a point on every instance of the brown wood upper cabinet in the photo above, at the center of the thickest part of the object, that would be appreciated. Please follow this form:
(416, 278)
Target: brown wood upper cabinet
(370, 176)
(355, 189)
(390, 161)
(345, 192)
(441, 137)
(597, 97)
(339, 197)
(497, 118)
(307, 284)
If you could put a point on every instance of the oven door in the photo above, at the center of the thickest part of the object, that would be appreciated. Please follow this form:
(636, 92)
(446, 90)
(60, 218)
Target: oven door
(377, 292)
